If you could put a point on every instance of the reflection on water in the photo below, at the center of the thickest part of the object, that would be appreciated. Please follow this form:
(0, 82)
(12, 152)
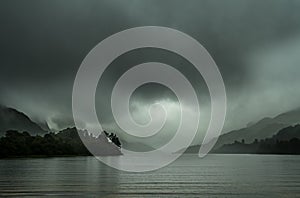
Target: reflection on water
(215, 175)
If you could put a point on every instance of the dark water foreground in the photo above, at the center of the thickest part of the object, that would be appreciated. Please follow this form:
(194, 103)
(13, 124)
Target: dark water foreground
(213, 176)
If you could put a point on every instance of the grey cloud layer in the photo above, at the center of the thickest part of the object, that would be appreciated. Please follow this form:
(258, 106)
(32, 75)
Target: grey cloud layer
(44, 42)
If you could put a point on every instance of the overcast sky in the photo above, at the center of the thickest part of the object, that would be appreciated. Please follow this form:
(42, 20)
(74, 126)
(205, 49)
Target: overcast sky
(256, 45)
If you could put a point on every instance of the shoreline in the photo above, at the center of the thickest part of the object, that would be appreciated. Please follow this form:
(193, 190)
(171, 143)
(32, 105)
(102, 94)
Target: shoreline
(62, 156)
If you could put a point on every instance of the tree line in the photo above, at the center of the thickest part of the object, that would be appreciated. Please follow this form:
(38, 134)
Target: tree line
(265, 146)
(66, 143)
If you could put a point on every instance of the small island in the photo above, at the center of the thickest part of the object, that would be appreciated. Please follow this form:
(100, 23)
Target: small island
(68, 142)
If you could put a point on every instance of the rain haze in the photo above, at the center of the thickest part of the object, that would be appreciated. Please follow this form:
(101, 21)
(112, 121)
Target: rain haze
(255, 44)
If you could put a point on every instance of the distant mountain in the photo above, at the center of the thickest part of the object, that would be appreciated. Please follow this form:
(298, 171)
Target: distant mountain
(262, 129)
(288, 133)
(12, 119)
(43, 124)
(286, 141)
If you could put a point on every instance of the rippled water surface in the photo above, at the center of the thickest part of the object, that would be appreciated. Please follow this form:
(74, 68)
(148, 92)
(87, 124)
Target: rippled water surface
(213, 176)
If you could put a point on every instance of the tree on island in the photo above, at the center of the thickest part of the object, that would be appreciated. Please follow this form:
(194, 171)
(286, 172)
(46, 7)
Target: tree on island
(113, 137)
(65, 142)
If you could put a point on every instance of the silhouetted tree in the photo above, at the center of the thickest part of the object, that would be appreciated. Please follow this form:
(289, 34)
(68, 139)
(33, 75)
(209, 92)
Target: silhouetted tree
(66, 142)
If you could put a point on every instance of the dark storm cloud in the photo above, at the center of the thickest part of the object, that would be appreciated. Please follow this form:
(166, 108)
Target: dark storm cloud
(44, 42)
(47, 40)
